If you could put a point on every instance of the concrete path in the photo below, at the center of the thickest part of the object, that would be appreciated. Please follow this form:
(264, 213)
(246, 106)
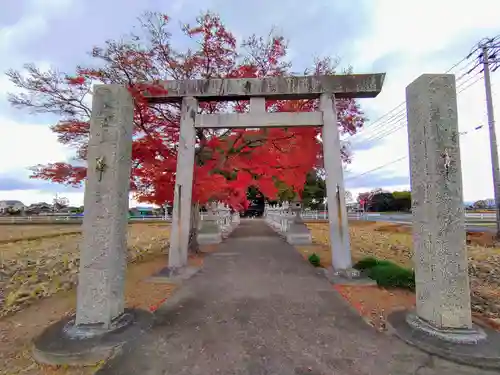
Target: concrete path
(258, 308)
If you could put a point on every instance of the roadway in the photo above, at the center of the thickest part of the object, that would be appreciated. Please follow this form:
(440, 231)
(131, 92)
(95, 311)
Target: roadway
(473, 222)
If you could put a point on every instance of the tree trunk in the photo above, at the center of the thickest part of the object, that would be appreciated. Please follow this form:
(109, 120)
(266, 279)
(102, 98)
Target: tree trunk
(194, 247)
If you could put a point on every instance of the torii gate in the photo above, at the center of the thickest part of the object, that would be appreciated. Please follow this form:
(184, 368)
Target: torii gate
(257, 90)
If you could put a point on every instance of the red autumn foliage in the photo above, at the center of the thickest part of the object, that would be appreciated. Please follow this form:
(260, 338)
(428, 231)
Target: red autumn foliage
(227, 162)
(75, 80)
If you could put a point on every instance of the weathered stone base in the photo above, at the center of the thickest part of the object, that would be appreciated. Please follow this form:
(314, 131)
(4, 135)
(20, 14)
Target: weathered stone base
(299, 238)
(476, 347)
(63, 343)
(174, 275)
(209, 238)
(348, 276)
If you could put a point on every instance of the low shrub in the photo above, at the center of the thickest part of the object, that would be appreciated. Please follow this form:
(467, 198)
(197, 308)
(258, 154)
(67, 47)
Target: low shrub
(393, 276)
(314, 260)
(370, 262)
(386, 273)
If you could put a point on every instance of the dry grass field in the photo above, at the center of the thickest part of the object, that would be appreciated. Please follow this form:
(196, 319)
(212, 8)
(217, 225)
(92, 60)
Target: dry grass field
(394, 242)
(38, 269)
(12, 233)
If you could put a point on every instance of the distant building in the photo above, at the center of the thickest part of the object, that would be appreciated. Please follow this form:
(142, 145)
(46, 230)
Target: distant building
(40, 208)
(11, 206)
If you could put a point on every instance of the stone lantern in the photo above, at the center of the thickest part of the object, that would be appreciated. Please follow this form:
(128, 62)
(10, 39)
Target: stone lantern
(296, 209)
(298, 233)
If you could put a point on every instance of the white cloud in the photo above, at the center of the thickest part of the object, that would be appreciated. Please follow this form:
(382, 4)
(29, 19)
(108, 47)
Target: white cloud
(33, 24)
(421, 27)
(22, 146)
(417, 32)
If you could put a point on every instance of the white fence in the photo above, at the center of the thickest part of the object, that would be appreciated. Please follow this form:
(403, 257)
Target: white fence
(306, 215)
(65, 219)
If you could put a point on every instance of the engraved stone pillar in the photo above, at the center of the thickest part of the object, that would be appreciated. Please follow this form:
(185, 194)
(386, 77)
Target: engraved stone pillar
(440, 255)
(181, 215)
(103, 248)
(337, 211)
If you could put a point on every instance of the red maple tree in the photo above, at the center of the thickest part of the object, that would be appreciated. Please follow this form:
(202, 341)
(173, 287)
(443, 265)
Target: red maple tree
(227, 161)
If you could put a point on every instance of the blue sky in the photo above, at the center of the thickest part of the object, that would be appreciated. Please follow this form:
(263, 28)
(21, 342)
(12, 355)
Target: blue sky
(400, 38)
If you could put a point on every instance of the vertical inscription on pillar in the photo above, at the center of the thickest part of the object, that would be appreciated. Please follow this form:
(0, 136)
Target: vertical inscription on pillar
(103, 247)
(441, 265)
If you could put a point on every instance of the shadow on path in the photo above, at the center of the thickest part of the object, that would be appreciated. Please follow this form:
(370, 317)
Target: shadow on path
(258, 308)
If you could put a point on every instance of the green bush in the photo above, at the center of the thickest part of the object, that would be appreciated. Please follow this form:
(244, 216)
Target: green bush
(386, 273)
(370, 262)
(393, 276)
(314, 260)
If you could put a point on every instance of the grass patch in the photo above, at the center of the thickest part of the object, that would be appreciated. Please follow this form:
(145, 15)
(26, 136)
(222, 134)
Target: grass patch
(387, 274)
(370, 262)
(314, 259)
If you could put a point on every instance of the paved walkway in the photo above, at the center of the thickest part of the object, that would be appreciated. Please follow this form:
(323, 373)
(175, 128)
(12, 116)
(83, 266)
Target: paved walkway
(258, 308)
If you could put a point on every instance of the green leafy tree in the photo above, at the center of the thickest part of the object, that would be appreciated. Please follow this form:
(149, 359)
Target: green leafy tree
(402, 200)
(314, 192)
(480, 205)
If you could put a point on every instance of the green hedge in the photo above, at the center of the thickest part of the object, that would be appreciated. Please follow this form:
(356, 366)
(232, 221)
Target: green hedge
(387, 274)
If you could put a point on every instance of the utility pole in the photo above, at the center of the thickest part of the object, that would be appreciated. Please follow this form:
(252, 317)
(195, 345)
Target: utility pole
(485, 48)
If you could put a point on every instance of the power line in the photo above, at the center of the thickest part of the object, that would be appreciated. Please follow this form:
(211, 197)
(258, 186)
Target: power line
(400, 121)
(479, 127)
(377, 168)
(378, 124)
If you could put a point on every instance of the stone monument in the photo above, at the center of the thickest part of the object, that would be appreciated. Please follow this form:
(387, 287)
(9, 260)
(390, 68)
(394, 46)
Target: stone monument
(102, 323)
(442, 322)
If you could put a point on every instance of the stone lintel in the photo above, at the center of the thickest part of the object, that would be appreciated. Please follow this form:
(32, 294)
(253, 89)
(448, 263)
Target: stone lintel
(277, 88)
(259, 120)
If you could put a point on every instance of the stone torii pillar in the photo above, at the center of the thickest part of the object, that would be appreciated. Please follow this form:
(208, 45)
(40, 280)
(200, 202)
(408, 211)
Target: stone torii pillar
(337, 211)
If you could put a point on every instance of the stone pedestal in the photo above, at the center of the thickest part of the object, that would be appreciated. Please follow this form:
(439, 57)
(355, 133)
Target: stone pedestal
(297, 232)
(101, 324)
(209, 232)
(442, 323)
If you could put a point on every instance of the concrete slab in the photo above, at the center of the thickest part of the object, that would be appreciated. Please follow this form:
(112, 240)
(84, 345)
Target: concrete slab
(339, 279)
(173, 275)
